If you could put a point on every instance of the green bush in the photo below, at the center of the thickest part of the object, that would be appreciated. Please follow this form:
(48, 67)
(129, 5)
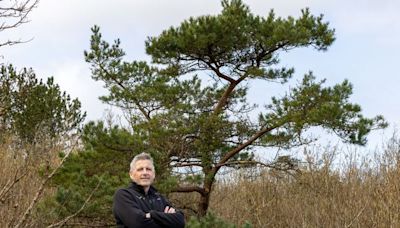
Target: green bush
(212, 221)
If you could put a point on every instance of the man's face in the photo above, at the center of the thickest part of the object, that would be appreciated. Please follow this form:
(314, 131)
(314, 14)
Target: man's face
(143, 174)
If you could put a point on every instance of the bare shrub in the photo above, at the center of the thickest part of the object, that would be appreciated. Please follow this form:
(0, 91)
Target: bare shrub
(25, 170)
(21, 170)
(357, 192)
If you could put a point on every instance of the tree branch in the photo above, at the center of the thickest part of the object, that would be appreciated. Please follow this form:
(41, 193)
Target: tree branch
(222, 101)
(65, 220)
(273, 165)
(188, 189)
(142, 110)
(187, 164)
(40, 191)
(18, 14)
(233, 152)
(218, 73)
(9, 185)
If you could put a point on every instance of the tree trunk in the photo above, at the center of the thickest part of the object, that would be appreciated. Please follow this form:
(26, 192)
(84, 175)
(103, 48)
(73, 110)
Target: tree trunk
(205, 197)
(203, 204)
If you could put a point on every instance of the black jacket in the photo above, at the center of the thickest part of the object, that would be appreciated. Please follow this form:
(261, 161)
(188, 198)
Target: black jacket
(131, 205)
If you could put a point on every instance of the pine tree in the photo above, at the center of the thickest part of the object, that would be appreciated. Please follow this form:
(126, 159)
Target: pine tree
(194, 128)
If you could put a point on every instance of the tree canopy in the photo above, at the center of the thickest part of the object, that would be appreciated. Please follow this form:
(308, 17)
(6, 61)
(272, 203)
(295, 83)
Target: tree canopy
(34, 110)
(193, 127)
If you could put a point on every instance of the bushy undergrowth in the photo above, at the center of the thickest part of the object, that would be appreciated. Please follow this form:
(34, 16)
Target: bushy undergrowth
(22, 172)
(212, 221)
(338, 192)
(332, 189)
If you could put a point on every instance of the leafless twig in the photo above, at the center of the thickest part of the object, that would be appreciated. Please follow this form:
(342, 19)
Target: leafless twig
(11, 184)
(356, 217)
(40, 190)
(14, 13)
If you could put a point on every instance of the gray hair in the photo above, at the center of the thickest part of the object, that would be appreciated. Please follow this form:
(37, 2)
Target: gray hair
(141, 156)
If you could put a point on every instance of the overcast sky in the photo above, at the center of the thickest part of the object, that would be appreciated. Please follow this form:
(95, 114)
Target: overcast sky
(366, 50)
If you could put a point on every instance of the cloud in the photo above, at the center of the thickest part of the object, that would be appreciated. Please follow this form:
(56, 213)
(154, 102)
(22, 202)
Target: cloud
(74, 77)
(367, 38)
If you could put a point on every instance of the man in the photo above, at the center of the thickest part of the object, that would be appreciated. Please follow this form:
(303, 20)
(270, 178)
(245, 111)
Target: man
(140, 205)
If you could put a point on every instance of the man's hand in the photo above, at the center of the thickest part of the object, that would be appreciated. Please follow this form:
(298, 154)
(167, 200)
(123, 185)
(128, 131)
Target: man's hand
(169, 210)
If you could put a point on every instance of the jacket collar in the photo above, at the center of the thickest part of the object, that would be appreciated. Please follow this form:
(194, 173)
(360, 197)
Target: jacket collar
(140, 189)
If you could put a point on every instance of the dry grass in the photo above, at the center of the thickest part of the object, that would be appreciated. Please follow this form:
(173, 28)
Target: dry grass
(358, 193)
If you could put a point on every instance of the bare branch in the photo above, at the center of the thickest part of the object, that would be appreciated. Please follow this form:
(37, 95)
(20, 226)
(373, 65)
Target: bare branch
(15, 14)
(187, 165)
(40, 190)
(188, 189)
(356, 217)
(274, 165)
(242, 146)
(10, 184)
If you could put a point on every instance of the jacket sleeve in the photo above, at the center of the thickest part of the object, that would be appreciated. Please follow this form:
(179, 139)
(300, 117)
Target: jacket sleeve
(175, 220)
(127, 211)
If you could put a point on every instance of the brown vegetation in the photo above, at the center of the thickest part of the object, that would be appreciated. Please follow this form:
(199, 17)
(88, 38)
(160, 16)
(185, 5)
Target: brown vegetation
(340, 190)
(354, 193)
(22, 169)
(25, 170)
